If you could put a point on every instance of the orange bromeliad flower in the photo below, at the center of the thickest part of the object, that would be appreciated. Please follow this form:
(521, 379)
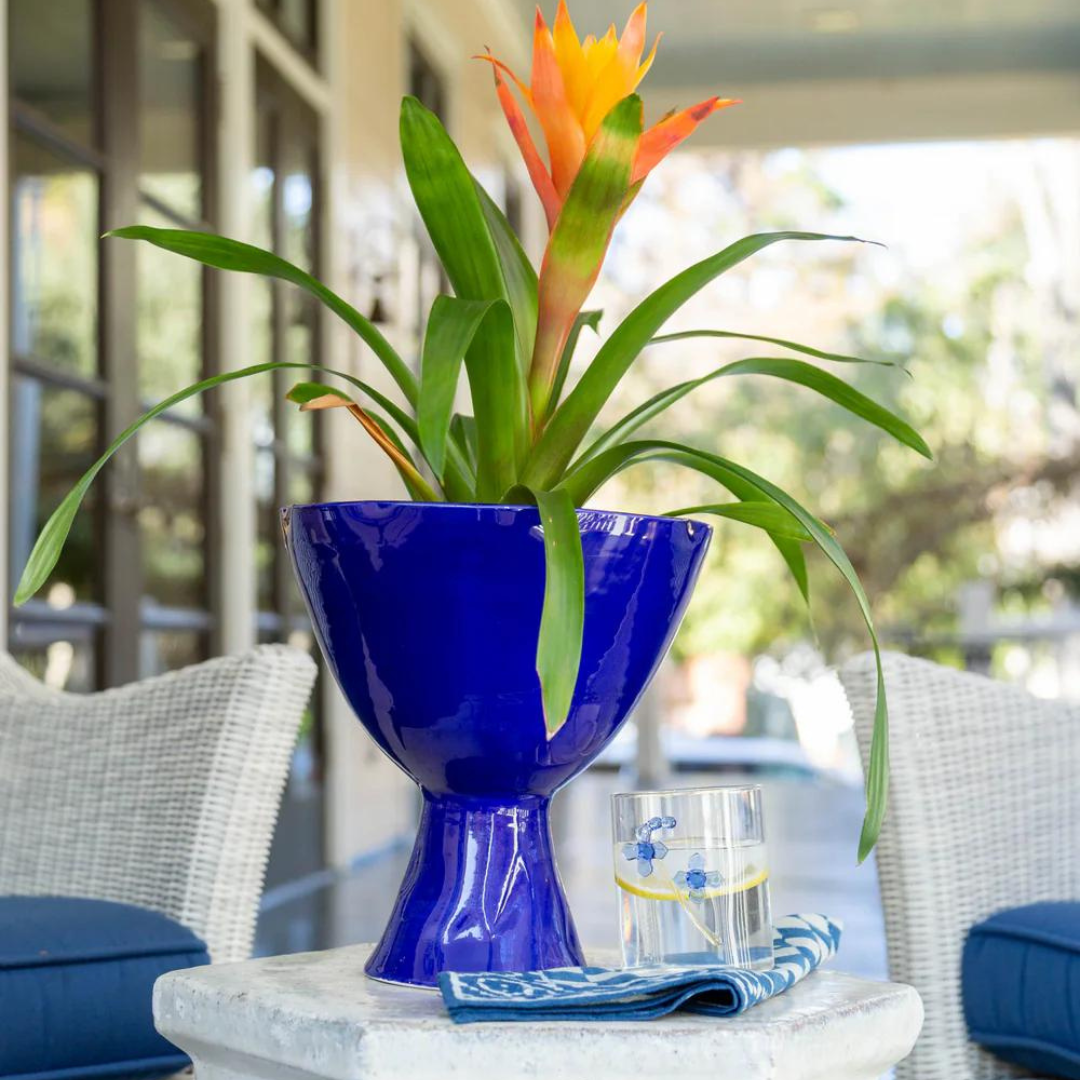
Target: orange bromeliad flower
(575, 84)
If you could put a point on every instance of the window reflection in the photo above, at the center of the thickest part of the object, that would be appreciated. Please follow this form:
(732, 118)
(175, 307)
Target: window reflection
(54, 439)
(52, 63)
(296, 19)
(264, 387)
(167, 650)
(54, 260)
(169, 322)
(269, 535)
(263, 188)
(170, 79)
(172, 522)
(61, 656)
(296, 202)
(302, 313)
(60, 387)
(302, 489)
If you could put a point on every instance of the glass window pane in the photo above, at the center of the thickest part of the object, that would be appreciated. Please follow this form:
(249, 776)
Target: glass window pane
(170, 112)
(51, 55)
(269, 629)
(425, 82)
(296, 19)
(169, 322)
(54, 440)
(302, 489)
(298, 22)
(263, 193)
(54, 259)
(171, 519)
(300, 348)
(268, 543)
(263, 180)
(63, 657)
(167, 650)
(297, 206)
(264, 387)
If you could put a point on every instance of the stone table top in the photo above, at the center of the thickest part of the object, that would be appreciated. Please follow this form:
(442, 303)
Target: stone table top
(317, 1015)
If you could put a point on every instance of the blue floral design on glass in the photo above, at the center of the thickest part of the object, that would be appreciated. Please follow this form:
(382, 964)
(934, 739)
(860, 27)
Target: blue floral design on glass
(696, 879)
(645, 849)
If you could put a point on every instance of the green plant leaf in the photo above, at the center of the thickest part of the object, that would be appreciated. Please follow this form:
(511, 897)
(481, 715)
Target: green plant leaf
(571, 421)
(451, 328)
(806, 350)
(54, 534)
(224, 254)
(590, 319)
(459, 477)
(594, 472)
(579, 241)
(791, 551)
(463, 429)
(562, 621)
(518, 274)
(762, 515)
(417, 487)
(497, 389)
(457, 481)
(828, 385)
(783, 367)
(449, 203)
(314, 397)
(793, 554)
(303, 392)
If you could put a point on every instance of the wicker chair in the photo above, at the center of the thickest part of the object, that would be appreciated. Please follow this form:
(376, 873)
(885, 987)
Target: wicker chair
(984, 814)
(161, 794)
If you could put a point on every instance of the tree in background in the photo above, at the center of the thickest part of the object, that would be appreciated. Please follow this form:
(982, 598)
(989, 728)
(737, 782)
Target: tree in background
(981, 301)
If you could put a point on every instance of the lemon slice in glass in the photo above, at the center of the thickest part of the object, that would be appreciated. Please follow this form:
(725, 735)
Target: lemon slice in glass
(659, 886)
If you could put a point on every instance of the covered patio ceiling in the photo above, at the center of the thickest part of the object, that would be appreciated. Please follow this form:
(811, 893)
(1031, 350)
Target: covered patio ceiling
(856, 70)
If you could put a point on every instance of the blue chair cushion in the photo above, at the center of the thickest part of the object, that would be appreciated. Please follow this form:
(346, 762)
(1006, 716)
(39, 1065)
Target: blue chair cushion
(75, 987)
(1020, 978)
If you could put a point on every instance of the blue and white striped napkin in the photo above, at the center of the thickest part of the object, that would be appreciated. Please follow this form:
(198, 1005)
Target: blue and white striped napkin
(800, 944)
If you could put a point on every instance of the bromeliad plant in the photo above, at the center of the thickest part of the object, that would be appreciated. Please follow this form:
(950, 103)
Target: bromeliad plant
(529, 438)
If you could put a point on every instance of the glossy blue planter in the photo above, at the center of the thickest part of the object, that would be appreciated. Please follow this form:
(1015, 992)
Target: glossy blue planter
(427, 614)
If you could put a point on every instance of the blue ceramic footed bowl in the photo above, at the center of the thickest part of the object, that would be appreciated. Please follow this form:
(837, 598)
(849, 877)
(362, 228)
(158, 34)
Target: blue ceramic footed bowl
(428, 614)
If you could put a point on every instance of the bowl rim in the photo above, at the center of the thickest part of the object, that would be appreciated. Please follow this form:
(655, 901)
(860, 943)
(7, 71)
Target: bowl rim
(628, 515)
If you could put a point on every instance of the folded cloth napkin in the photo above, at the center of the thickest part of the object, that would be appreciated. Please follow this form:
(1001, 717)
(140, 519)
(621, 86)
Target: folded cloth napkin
(800, 944)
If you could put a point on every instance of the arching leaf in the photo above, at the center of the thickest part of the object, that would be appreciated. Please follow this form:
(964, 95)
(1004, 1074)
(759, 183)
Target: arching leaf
(580, 484)
(562, 621)
(225, 254)
(573, 418)
(762, 515)
(54, 534)
(781, 367)
(806, 350)
(452, 327)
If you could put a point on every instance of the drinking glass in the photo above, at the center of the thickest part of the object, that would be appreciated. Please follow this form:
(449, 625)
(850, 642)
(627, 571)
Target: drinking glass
(693, 877)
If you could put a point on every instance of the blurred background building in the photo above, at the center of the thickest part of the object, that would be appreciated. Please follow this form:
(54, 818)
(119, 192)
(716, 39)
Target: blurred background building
(949, 131)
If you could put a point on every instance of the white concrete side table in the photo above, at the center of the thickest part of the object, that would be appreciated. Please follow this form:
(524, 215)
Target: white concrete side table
(317, 1015)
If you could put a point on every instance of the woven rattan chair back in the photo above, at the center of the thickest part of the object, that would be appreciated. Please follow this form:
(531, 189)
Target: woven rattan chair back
(163, 793)
(984, 814)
